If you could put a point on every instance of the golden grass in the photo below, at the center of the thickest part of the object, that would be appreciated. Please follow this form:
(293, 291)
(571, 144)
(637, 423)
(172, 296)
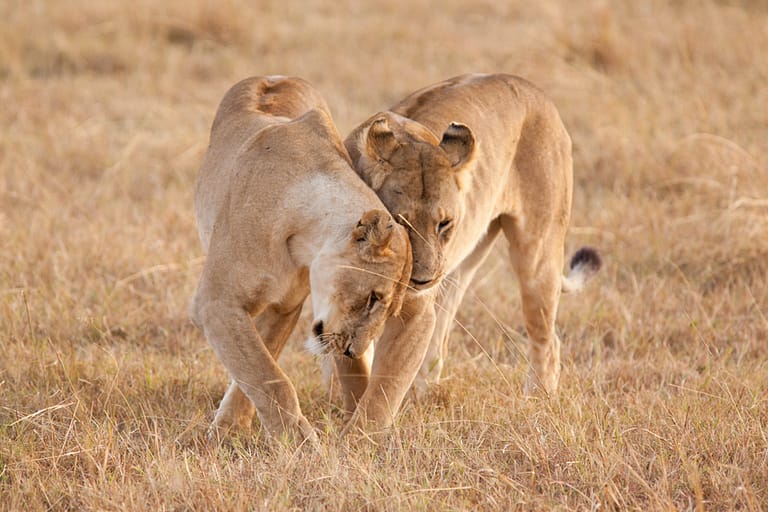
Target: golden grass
(106, 389)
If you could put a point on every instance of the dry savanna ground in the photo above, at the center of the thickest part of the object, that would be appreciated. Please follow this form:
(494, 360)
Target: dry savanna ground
(106, 389)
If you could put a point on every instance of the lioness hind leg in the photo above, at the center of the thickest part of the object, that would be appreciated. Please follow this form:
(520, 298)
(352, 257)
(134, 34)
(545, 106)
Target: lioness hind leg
(235, 412)
(447, 304)
(538, 264)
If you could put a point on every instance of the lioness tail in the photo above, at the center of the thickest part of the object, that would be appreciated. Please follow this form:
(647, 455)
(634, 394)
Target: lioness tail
(584, 264)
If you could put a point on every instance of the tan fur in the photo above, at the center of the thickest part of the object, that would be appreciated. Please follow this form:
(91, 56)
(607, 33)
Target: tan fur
(279, 211)
(461, 161)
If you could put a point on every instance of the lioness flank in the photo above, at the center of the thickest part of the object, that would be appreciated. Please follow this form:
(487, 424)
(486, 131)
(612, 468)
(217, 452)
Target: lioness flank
(280, 211)
(457, 163)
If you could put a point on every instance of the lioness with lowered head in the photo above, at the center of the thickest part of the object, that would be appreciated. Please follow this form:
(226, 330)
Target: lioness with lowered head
(280, 211)
(461, 161)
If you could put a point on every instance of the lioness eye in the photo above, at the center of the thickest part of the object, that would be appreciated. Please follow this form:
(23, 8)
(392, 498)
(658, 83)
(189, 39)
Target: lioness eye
(444, 225)
(373, 298)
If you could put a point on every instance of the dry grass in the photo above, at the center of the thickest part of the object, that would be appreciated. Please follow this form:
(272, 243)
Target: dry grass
(106, 389)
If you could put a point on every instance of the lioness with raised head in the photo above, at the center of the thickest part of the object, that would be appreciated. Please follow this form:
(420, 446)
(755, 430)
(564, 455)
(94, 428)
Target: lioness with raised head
(457, 163)
(280, 211)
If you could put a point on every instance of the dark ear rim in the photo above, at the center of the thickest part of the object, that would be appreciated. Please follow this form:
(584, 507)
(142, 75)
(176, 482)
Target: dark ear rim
(458, 142)
(380, 121)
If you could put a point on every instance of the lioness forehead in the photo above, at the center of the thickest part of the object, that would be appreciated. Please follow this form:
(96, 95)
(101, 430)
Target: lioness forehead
(419, 170)
(413, 191)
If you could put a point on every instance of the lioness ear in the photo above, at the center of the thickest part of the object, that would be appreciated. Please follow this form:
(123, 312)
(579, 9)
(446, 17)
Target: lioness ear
(378, 143)
(373, 234)
(381, 140)
(458, 143)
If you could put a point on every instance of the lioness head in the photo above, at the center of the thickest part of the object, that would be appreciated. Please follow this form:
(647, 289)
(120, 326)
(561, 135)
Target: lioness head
(355, 292)
(421, 179)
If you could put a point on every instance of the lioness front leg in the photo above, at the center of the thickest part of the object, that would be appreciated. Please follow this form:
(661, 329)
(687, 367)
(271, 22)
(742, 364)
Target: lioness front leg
(397, 357)
(236, 410)
(238, 345)
(353, 377)
(447, 303)
(234, 414)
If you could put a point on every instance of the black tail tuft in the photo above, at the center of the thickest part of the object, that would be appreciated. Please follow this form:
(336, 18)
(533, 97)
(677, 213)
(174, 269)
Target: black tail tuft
(588, 258)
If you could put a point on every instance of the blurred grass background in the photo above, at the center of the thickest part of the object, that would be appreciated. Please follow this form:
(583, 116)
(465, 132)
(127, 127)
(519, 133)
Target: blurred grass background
(106, 389)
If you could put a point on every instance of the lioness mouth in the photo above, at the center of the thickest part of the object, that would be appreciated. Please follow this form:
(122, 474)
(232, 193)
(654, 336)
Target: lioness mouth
(418, 283)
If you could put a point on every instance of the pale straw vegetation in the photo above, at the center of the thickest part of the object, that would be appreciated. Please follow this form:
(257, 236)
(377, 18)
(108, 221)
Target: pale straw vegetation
(106, 388)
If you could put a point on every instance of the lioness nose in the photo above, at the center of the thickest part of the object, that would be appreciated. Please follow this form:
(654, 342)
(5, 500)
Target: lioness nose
(317, 329)
(348, 352)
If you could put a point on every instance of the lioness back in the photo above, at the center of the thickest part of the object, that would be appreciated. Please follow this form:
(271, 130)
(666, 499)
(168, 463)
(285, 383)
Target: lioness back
(275, 96)
(247, 108)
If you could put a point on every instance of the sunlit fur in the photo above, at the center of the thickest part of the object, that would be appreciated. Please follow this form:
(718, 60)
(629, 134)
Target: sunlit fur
(279, 212)
(459, 162)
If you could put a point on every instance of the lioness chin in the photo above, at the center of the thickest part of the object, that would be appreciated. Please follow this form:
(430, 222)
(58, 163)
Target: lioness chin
(459, 162)
(279, 212)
